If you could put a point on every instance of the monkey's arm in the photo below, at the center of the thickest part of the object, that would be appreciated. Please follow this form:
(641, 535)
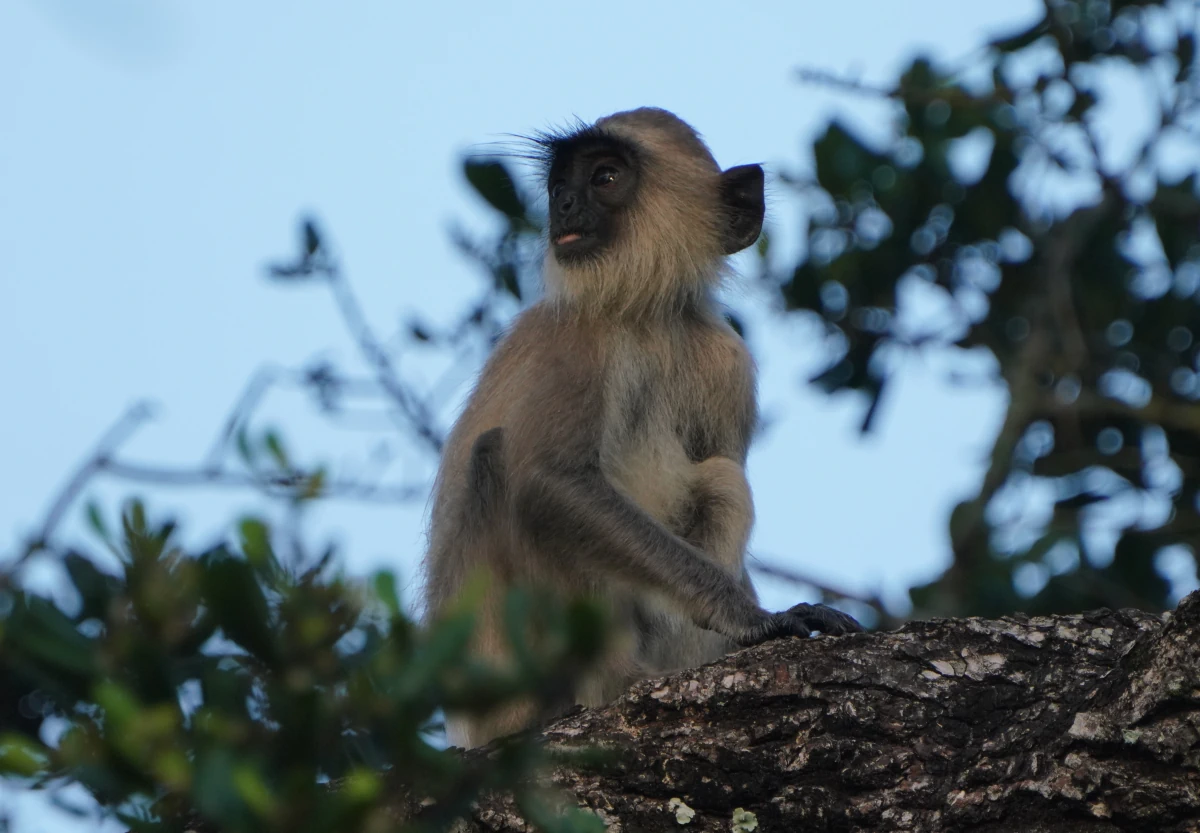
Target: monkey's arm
(581, 517)
(723, 513)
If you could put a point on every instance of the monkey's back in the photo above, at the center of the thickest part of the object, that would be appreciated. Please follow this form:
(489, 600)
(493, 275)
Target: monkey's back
(534, 386)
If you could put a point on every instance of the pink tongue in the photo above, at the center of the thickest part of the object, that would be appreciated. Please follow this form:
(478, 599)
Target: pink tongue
(567, 238)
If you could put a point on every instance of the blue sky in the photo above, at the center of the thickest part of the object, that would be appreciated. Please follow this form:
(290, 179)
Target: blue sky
(154, 156)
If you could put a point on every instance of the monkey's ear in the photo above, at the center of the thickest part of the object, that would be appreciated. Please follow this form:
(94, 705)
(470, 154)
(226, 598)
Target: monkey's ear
(744, 205)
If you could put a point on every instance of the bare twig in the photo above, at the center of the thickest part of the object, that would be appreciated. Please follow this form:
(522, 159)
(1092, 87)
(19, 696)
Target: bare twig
(262, 381)
(95, 462)
(416, 415)
(273, 484)
(949, 94)
(211, 472)
(825, 78)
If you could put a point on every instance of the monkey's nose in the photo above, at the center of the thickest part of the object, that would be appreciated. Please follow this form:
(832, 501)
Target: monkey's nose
(565, 203)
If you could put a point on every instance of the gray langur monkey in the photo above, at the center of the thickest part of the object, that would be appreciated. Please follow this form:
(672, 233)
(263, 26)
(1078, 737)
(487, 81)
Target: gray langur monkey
(603, 450)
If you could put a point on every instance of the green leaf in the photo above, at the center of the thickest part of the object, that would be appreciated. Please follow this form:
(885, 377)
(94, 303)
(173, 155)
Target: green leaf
(214, 790)
(236, 600)
(244, 447)
(22, 756)
(135, 514)
(96, 521)
(491, 180)
(144, 544)
(256, 542)
(842, 160)
(39, 629)
(385, 589)
(95, 588)
(253, 789)
(274, 445)
(314, 485)
(587, 630)
(361, 786)
(445, 645)
(121, 708)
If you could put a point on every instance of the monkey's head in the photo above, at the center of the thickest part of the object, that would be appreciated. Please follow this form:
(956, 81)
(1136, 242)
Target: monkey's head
(641, 216)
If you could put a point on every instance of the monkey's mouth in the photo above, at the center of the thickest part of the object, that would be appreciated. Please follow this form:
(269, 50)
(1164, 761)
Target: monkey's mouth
(576, 245)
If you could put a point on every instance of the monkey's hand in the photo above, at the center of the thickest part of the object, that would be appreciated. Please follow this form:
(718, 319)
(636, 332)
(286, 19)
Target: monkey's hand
(802, 620)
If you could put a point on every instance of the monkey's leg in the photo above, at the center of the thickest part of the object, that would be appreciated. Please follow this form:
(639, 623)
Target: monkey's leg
(717, 521)
(485, 479)
(721, 513)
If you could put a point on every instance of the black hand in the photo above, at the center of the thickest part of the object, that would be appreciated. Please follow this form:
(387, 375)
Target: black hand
(802, 620)
(824, 619)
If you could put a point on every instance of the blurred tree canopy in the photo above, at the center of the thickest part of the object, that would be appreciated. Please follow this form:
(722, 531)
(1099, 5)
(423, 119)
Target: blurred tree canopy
(252, 686)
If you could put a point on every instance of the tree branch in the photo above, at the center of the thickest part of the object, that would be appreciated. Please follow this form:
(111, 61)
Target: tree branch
(278, 485)
(1065, 724)
(101, 455)
(417, 416)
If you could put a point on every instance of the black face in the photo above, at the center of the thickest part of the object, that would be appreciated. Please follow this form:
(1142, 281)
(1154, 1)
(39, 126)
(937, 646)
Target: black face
(593, 178)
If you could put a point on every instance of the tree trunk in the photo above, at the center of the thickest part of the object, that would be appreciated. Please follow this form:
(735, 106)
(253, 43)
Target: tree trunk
(1069, 723)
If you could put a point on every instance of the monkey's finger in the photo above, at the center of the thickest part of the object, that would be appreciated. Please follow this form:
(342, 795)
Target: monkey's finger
(825, 619)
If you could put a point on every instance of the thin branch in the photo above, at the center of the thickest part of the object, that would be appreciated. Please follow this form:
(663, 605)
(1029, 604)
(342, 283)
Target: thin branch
(950, 95)
(825, 78)
(416, 414)
(275, 484)
(109, 442)
(262, 381)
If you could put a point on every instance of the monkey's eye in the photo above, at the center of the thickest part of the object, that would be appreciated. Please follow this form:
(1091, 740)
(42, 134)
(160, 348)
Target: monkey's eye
(604, 175)
(556, 189)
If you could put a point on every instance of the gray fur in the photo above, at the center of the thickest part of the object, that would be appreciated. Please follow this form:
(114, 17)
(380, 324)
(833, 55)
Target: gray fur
(603, 449)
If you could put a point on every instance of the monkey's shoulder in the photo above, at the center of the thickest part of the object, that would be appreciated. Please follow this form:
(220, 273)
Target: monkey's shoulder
(713, 365)
(541, 348)
(716, 346)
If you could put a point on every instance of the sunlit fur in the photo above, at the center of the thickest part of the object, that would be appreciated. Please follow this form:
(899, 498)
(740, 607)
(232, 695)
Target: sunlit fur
(668, 253)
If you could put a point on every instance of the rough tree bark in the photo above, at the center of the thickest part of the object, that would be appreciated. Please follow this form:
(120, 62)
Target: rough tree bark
(1068, 723)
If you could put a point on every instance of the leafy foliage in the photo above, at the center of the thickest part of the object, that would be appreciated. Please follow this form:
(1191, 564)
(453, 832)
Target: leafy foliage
(1093, 337)
(254, 691)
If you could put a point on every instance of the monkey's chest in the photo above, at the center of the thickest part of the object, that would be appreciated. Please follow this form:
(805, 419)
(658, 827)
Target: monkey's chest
(660, 420)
